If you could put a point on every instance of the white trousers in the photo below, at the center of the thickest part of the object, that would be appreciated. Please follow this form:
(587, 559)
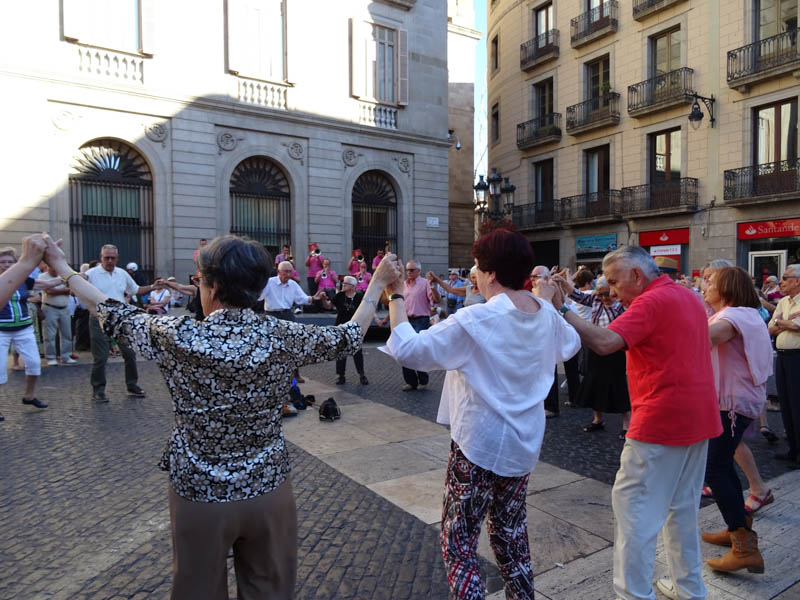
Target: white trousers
(658, 488)
(24, 343)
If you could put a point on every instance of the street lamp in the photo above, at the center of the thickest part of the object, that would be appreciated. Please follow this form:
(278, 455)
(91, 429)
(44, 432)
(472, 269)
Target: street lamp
(499, 188)
(696, 116)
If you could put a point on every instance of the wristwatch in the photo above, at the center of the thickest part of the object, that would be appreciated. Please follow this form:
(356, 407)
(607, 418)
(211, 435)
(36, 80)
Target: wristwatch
(397, 297)
(563, 310)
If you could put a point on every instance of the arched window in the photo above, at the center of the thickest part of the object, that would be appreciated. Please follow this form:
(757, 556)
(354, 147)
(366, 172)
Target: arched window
(111, 202)
(374, 213)
(261, 203)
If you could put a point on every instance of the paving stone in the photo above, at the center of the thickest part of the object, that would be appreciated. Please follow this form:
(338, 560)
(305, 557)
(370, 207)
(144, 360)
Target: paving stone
(381, 463)
(589, 503)
(420, 494)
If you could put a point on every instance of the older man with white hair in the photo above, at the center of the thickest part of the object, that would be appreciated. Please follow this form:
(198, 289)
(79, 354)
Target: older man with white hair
(784, 326)
(674, 413)
(418, 295)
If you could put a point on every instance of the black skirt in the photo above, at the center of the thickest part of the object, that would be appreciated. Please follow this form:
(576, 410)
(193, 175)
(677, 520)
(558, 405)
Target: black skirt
(605, 383)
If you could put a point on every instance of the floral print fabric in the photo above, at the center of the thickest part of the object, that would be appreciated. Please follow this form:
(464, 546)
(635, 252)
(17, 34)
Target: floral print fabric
(227, 376)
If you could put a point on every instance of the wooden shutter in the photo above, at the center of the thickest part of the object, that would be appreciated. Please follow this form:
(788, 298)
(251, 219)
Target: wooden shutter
(148, 34)
(237, 40)
(358, 59)
(402, 67)
(74, 18)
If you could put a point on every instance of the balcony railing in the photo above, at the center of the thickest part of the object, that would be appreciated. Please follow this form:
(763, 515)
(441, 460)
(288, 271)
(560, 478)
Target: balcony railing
(671, 196)
(593, 113)
(770, 57)
(594, 24)
(263, 93)
(538, 50)
(530, 216)
(542, 130)
(763, 183)
(645, 8)
(660, 92)
(596, 206)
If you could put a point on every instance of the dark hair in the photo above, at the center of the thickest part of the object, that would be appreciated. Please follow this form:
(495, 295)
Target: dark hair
(506, 253)
(735, 287)
(239, 267)
(583, 277)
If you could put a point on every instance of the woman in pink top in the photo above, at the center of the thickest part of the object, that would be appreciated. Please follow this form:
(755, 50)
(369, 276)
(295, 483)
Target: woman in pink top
(326, 279)
(363, 276)
(742, 359)
(355, 262)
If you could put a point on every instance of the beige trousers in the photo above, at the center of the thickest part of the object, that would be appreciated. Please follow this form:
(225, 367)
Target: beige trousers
(262, 532)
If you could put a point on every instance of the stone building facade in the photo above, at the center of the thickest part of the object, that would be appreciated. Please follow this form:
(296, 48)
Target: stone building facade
(154, 124)
(588, 107)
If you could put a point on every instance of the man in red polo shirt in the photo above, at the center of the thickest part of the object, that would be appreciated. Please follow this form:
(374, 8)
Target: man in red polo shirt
(674, 414)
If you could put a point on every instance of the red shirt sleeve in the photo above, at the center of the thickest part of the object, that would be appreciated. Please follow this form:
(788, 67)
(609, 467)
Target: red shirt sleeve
(636, 323)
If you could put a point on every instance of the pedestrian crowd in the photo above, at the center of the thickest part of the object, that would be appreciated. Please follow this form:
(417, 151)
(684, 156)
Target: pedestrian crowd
(685, 362)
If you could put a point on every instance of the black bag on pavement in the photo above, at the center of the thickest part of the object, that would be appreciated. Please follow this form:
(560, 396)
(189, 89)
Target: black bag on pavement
(329, 411)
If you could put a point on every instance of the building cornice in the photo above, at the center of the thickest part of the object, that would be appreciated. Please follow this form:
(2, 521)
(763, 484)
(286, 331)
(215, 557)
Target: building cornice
(234, 107)
(465, 31)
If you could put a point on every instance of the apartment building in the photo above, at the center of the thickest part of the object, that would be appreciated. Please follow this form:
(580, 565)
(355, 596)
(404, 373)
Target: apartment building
(153, 124)
(589, 106)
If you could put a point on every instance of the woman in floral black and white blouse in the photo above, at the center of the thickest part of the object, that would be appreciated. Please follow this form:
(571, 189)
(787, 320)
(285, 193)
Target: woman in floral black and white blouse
(227, 375)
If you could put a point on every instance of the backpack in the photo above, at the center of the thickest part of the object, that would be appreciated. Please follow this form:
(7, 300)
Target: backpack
(329, 411)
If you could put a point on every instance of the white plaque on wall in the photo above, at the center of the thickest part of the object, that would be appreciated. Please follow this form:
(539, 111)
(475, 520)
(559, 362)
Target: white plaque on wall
(432, 222)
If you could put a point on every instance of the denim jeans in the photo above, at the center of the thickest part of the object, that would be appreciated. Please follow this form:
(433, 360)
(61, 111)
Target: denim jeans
(410, 376)
(721, 474)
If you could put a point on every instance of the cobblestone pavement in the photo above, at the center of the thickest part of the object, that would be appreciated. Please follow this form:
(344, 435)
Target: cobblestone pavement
(84, 512)
(594, 455)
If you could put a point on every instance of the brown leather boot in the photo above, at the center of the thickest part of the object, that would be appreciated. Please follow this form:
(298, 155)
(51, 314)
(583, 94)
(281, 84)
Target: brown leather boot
(743, 554)
(723, 538)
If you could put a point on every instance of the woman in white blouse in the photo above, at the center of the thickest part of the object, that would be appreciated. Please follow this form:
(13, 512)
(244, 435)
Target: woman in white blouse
(500, 359)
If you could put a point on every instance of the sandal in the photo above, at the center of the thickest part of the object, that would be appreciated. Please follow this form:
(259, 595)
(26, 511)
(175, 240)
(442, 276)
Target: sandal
(594, 426)
(754, 503)
(706, 492)
(768, 434)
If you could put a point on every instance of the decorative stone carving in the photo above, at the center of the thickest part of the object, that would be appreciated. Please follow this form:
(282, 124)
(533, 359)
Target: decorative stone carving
(157, 132)
(350, 157)
(226, 141)
(403, 164)
(64, 120)
(296, 151)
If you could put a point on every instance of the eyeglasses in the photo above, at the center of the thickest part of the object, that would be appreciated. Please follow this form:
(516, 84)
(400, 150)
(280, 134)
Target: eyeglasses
(604, 294)
(537, 276)
(412, 269)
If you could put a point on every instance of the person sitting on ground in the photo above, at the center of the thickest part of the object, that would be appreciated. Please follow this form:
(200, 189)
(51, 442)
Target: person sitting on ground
(742, 360)
(158, 302)
(362, 277)
(227, 376)
(347, 302)
(326, 279)
(500, 358)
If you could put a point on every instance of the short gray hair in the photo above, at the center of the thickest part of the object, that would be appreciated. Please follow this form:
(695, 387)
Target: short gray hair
(718, 263)
(794, 269)
(109, 247)
(634, 257)
(602, 282)
(473, 270)
(284, 264)
(416, 264)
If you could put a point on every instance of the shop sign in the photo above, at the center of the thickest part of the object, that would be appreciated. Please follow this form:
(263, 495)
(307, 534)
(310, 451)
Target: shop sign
(595, 244)
(671, 250)
(768, 229)
(664, 237)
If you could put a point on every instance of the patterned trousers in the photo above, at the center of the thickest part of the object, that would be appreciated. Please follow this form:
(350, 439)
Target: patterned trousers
(470, 493)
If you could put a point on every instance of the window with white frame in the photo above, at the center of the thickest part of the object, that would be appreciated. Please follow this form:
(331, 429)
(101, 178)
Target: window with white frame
(123, 25)
(379, 63)
(257, 39)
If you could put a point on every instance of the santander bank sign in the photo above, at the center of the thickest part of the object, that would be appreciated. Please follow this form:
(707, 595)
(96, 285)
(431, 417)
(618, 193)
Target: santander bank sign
(768, 229)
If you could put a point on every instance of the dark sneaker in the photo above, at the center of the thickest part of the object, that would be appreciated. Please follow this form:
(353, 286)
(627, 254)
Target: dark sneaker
(2, 418)
(34, 402)
(136, 392)
(99, 397)
(363, 379)
(340, 380)
(409, 388)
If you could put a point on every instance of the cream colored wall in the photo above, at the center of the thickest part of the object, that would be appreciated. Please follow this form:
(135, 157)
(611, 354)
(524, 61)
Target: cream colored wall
(710, 28)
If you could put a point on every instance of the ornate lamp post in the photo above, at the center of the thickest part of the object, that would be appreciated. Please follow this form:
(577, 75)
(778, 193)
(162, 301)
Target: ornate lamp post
(501, 194)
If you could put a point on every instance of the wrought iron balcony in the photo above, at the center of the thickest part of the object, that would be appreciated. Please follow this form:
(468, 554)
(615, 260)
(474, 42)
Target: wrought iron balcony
(594, 24)
(644, 8)
(536, 132)
(535, 216)
(538, 50)
(764, 59)
(593, 113)
(661, 92)
(596, 207)
(658, 198)
(769, 182)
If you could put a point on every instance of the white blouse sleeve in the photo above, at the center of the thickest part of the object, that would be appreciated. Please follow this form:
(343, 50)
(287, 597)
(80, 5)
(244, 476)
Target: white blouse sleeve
(445, 346)
(568, 342)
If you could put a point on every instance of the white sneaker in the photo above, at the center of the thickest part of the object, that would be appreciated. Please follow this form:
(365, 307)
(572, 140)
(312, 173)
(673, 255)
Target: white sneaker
(52, 362)
(298, 310)
(664, 585)
(69, 360)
